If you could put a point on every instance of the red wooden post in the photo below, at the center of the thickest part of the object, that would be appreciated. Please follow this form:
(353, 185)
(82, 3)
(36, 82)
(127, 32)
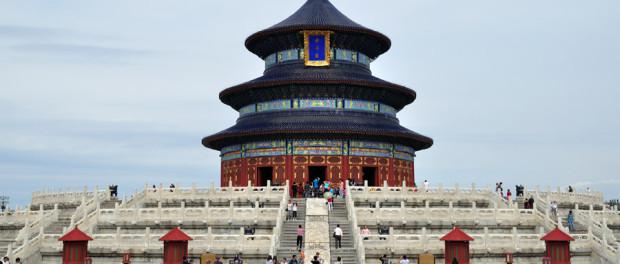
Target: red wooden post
(175, 246)
(75, 247)
(558, 246)
(457, 246)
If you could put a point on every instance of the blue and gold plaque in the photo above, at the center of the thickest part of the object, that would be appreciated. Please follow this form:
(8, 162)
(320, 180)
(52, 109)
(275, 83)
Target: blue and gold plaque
(317, 48)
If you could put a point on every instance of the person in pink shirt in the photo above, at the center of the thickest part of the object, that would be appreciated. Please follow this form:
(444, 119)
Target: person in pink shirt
(300, 237)
(365, 232)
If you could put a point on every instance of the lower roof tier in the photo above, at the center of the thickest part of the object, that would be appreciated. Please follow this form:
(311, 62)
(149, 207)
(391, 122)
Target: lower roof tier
(320, 124)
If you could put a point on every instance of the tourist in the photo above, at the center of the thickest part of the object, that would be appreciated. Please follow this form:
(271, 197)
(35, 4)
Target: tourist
(570, 219)
(300, 237)
(365, 233)
(172, 187)
(383, 231)
(5, 260)
(384, 259)
(217, 260)
(18, 261)
(426, 185)
(315, 260)
(501, 189)
(338, 260)
(275, 260)
(315, 183)
(570, 189)
(588, 189)
(294, 211)
(338, 236)
(294, 260)
(237, 259)
(554, 208)
(284, 260)
(509, 196)
(289, 210)
(294, 190)
(404, 260)
(330, 203)
(269, 260)
(531, 202)
(318, 257)
(185, 260)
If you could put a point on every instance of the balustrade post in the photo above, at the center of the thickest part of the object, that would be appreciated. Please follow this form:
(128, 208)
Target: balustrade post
(365, 184)
(473, 188)
(515, 238)
(41, 232)
(440, 188)
(268, 191)
(486, 237)
(427, 210)
(451, 211)
(115, 214)
(40, 212)
(209, 235)
(182, 210)
(456, 189)
(590, 233)
(424, 239)
(117, 237)
(147, 237)
(27, 231)
(385, 183)
(402, 211)
(231, 207)
(249, 184)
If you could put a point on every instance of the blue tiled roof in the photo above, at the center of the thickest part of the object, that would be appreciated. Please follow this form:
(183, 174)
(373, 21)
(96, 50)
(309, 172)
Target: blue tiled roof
(318, 123)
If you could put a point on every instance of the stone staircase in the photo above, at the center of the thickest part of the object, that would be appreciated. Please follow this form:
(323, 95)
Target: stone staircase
(288, 235)
(338, 216)
(64, 220)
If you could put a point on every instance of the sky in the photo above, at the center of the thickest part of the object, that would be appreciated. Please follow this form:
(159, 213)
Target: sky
(94, 93)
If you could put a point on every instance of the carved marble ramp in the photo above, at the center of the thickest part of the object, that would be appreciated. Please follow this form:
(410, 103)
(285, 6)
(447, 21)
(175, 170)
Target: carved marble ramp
(317, 230)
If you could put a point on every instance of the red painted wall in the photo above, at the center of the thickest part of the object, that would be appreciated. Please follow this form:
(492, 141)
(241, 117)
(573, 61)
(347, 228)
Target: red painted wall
(295, 169)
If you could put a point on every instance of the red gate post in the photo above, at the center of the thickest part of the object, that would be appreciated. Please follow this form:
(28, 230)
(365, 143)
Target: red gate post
(75, 247)
(457, 246)
(175, 246)
(557, 246)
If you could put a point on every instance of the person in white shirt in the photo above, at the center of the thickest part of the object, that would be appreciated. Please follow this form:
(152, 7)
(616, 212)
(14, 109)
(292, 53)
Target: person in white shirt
(426, 185)
(289, 210)
(404, 260)
(338, 236)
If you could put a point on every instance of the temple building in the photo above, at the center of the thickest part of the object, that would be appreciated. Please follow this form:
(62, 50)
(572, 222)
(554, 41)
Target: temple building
(317, 111)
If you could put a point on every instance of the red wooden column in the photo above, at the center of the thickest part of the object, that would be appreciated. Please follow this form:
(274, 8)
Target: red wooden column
(457, 246)
(558, 246)
(175, 246)
(75, 247)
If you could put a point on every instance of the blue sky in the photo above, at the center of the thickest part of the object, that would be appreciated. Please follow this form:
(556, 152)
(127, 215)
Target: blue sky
(101, 92)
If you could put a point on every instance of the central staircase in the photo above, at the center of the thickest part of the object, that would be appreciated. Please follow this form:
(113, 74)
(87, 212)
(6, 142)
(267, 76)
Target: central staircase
(338, 216)
(288, 235)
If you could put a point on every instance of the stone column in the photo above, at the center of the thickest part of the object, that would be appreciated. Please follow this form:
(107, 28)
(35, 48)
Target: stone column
(317, 230)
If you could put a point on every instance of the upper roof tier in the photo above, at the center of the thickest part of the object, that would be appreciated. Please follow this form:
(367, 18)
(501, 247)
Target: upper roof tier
(318, 15)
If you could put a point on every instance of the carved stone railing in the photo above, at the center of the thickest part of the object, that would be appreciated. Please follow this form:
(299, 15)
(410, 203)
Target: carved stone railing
(33, 225)
(385, 193)
(148, 241)
(357, 239)
(427, 214)
(483, 243)
(595, 198)
(277, 230)
(64, 196)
